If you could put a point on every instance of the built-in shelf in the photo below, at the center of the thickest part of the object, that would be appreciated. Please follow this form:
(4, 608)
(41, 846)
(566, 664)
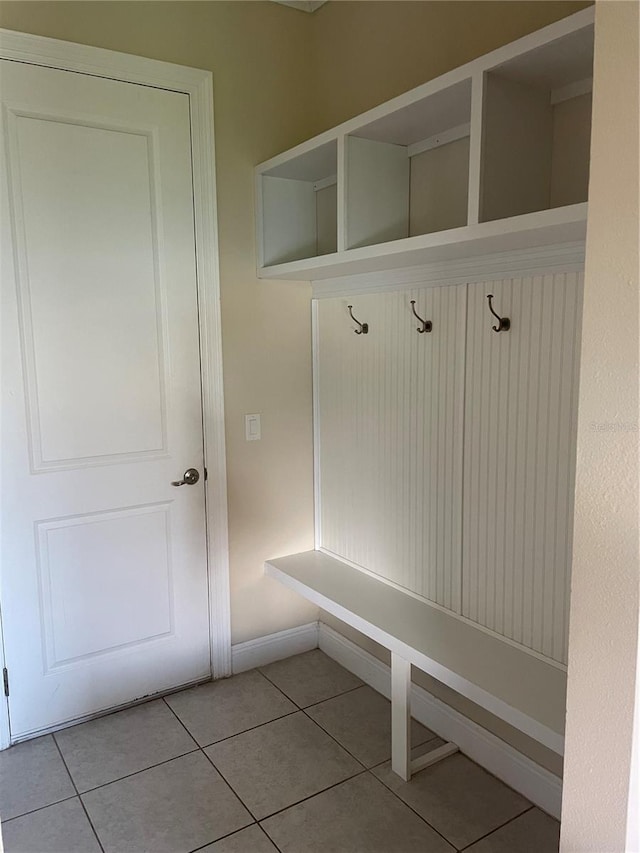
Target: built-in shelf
(547, 227)
(490, 157)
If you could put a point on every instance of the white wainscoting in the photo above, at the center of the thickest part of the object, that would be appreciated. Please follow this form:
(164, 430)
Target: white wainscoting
(519, 459)
(389, 432)
(445, 461)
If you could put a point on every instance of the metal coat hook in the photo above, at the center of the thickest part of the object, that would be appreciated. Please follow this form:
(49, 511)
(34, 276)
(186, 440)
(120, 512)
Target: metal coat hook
(504, 323)
(364, 327)
(427, 325)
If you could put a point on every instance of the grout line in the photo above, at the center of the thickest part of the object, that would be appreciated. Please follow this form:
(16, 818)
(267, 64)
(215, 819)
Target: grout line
(279, 688)
(251, 729)
(137, 772)
(229, 737)
(335, 740)
(311, 796)
(297, 802)
(228, 784)
(502, 825)
(84, 808)
(351, 690)
(269, 837)
(222, 837)
(342, 746)
(320, 701)
(410, 807)
(495, 829)
(181, 723)
(39, 809)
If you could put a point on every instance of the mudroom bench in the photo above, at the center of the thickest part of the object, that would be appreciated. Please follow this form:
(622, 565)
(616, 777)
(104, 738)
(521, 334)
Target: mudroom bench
(515, 685)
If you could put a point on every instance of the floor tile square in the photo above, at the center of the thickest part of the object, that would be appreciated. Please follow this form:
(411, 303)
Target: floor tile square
(532, 832)
(457, 797)
(114, 746)
(310, 677)
(173, 808)
(361, 721)
(249, 840)
(61, 828)
(32, 775)
(358, 816)
(280, 763)
(220, 709)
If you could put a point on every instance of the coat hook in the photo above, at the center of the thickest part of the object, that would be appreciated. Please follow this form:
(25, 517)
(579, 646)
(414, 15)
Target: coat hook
(427, 325)
(364, 327)
(504, 323)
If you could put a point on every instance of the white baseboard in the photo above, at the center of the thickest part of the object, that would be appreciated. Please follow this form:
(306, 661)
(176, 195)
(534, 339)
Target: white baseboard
(516, 770)
(274, 647)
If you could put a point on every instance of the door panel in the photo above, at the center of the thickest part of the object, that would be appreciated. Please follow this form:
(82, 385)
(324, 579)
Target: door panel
(129, 556)
(104, 586)
(93, 344)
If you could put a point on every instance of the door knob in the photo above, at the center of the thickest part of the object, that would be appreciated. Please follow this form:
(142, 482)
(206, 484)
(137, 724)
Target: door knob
(190, 478)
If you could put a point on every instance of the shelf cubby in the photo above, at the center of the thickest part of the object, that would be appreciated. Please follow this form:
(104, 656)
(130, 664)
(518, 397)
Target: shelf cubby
(408, 173)
(536, 129)
(299, 206)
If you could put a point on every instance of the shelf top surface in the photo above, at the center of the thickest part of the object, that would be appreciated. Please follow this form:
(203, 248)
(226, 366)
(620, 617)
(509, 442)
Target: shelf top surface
(311, 166)
(432, 639)
(444, 109)
(555, 64)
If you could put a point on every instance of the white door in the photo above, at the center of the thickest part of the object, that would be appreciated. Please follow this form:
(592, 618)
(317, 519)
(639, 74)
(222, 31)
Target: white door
(104, 584)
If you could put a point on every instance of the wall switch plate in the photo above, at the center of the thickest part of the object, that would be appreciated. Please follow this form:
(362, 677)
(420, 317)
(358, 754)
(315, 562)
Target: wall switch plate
(252, 430)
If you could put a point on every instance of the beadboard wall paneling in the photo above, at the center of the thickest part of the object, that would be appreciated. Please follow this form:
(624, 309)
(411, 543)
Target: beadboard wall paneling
(389, 436)
(519, 458)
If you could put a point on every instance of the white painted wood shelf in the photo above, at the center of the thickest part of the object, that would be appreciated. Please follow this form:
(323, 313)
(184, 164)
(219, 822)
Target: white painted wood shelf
(490, 157)
(533, 230)
(526, 691)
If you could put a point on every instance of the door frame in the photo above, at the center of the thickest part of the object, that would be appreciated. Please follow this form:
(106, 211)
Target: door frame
(198, 85)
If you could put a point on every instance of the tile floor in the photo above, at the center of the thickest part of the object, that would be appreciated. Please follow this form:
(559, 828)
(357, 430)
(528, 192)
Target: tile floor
(292, 757)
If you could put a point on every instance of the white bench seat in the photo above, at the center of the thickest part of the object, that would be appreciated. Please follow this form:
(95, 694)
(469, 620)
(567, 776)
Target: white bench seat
(521, 688)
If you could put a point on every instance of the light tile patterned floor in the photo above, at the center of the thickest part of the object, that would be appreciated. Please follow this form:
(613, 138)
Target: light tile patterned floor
(293, 757)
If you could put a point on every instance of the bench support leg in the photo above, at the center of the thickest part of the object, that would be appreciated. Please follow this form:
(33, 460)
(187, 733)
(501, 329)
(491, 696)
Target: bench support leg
(401, 762)
(433, 757)
(401, 716)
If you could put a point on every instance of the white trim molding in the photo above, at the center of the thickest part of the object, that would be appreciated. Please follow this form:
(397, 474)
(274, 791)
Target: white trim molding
(5, 728)
(198, 85)
(516, 770)
(565, 257)
(273, 647)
